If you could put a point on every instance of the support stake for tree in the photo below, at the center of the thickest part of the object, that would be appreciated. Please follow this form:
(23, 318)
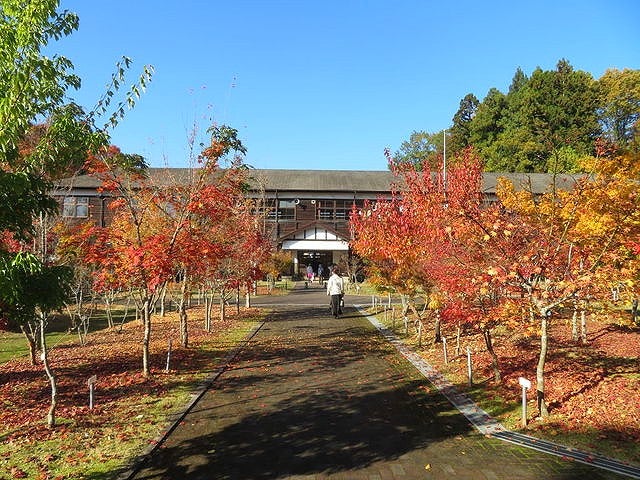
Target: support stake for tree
(91, 383)
(166, 368)
(444, 348)
(525, 384)
(469, 367)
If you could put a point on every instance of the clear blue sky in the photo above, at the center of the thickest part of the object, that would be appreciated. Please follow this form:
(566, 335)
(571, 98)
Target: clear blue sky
(328, 84)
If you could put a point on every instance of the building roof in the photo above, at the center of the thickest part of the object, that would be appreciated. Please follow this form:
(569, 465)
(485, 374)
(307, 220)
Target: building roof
(323, 180)
(369, 181)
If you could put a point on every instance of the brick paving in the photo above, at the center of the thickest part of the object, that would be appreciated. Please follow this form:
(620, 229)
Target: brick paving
(312, 397)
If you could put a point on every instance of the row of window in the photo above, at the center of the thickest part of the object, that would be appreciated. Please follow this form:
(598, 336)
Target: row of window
(328, 210)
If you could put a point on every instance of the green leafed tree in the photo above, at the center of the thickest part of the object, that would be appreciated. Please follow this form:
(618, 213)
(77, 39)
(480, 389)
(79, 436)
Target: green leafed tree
(460, 131)
(619, 105)
(422, 149)
(42, 136)
(545, 123)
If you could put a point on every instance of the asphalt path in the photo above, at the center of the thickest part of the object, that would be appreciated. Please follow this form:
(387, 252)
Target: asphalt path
(313, 397)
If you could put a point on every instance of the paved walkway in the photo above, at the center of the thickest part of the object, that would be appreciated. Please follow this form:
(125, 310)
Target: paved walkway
(313, 397)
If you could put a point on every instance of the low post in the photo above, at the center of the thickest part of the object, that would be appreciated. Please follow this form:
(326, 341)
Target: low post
(525, 384)
(393, 317)
(469, 367)
(166, 368)
(444, 348)
(91, 383)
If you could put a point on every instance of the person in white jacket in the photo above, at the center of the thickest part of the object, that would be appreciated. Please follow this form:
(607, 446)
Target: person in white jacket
(335, 288)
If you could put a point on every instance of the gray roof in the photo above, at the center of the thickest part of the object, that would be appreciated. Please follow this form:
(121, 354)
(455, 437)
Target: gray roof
(334, 180)
(323, 180)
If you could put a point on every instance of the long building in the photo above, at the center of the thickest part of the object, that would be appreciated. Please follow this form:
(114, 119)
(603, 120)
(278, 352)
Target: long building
(307, 210)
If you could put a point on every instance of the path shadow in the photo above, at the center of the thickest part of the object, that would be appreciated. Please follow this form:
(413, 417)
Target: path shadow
(310, 433)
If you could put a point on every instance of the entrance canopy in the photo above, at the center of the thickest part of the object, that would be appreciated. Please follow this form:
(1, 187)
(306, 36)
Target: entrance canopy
(319, 245)
(316, 238)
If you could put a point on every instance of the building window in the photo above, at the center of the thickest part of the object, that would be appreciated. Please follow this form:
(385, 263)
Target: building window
(334, 210)
(76, 207)
(286, 210)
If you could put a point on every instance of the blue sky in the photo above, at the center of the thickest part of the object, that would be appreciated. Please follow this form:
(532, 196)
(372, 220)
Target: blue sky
(327, 84)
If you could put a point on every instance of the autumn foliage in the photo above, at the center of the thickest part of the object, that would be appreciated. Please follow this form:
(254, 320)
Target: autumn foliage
(515, 264)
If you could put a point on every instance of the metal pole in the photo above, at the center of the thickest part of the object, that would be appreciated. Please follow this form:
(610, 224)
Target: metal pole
(469, 370)
(524, 406)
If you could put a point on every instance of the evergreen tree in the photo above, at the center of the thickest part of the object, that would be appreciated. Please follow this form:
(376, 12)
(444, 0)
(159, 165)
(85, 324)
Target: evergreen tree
(460, 131)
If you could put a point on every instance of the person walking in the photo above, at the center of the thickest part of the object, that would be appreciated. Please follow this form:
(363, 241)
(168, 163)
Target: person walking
(335, 288)
(320, 274)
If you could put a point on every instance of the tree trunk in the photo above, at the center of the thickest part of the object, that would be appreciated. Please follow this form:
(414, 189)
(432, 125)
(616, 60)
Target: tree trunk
(583, 327)
(458, 334)
(207, 313)
(107, 309)
(544, 343)
(51, 415)
(163, 298)
(238, 300)
(182, 308)
(574, 323)
(437, 337)
(223, 311)
(33, 346)
(146, 321)
(247, 297)
(494, 358)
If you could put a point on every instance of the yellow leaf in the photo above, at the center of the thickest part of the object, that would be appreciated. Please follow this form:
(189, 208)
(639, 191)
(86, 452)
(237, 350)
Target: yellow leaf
(427, 466)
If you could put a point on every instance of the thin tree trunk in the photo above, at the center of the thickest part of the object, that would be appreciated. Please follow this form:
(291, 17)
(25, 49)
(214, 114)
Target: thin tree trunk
(182, 308)
(238, 300)
(223, 312)
(437, 337)
(494, 358)
(574, 322)
(207, 313)
(51, 414)
(33, 346)
(458, 334)
(583, 327)
(146, 321)
(544, 343)
(107, 309)
(163, 298)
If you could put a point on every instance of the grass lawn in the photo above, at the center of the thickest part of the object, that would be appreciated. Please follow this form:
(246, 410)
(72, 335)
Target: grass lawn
(13, 344)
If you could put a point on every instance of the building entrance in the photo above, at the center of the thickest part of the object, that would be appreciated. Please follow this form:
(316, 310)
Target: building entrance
(315, 258)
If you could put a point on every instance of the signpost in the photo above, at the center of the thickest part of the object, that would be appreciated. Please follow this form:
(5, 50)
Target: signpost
(91, 383)
(525, 384)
